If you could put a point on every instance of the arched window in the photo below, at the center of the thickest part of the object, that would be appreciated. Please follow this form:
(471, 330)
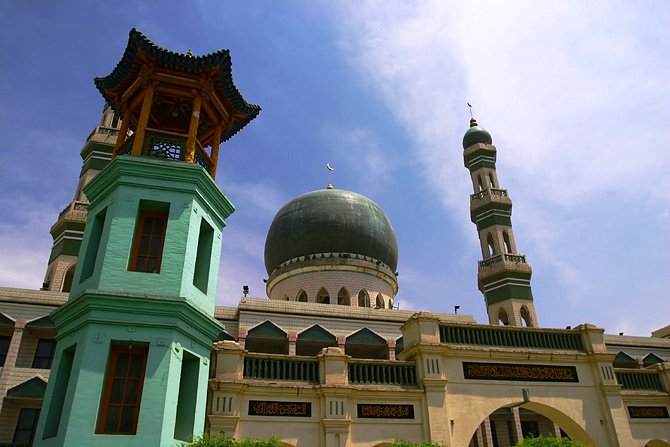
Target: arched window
(379, 303)
(67, 280)
(492, 180)
(343, 297)
(285, 297)
(502, 317)
(302, 296)
(363, 298)
(492, 247)
(322, 297)
(508, 244)
(525, 317)
(479, 181)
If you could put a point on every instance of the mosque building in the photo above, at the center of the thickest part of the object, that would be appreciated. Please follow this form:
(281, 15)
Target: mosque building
(123, 343)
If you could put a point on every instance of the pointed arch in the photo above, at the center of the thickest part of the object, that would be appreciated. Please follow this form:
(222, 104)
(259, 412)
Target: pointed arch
(313, 339)
(301, 296)
(651, 359)
(479, 182)
(490, 244)
(322, 296)
(526, 320)
(507, 242)
(363, 298)
(267, 329)
(502, 317)
(366, 344)
(267, 338)
(68, 277)
(285, 297)
(343, 297)
(492, 180)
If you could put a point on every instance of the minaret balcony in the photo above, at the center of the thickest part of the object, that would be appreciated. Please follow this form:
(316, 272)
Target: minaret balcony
(75, 211)
(489, 195)
(503, 261)
(168, 146)
(102, 134)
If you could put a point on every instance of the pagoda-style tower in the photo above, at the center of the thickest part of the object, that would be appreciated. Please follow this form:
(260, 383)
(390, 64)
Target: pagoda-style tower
(504, 275)
(68, 230)
(134, 339)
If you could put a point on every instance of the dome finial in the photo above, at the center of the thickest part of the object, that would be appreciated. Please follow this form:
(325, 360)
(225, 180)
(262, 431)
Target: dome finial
(473, 121)
(329, 170)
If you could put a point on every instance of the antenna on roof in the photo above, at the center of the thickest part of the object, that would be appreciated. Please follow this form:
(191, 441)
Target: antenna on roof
(330, 186)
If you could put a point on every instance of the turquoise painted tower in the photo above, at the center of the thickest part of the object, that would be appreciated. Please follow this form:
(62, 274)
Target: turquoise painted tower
(503, 274)
(134, 339)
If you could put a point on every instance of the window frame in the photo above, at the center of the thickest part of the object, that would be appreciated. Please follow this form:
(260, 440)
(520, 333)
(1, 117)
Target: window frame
(31, 429)
(50, 358)
(3, 353)
(107, 390)
(138, 238)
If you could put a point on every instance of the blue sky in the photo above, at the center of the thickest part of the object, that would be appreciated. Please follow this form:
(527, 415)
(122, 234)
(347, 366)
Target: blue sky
(575, 95)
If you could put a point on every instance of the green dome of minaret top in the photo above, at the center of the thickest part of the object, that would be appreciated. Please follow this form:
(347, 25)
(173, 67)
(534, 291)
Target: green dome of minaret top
(327, 221)
(476, 134)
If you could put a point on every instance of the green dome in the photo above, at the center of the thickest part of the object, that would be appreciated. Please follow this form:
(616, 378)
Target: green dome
(327, 221)
(476, 134)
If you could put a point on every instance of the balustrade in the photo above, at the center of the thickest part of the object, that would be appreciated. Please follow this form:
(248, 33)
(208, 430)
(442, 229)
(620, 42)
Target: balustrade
(638, 380)
(485, 192)
(510, 338)
(382, 374)
(168, 146)
(281, 369)
(509, 257)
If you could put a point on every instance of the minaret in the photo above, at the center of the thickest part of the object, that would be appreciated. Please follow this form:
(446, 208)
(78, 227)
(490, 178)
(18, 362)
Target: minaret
(134, 339)
(504, 275)
(68, 230)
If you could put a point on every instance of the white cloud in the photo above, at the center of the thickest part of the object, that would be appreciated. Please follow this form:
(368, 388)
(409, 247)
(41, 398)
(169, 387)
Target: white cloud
(575, 96)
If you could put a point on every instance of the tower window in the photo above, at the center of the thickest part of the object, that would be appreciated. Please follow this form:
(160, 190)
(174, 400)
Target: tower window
(4, 348)
(490, 244)
(203, 256)
(343, 297)
(122, 394)
(379, 302)
(44, 354)
(493, 182)
(363, 299)
(508, 244)
(502, 317)
(302, 296)
(479, 181)
(525, 317)
(67, 281)
(322, 297)
(148, 246)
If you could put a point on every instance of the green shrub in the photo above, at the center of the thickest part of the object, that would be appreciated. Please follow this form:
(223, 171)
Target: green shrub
(225, 441)
(549, 442)
(426, 443)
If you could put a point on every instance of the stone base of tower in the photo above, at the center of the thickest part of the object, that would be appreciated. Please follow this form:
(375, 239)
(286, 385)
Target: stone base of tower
(173, 339)
(513, 312)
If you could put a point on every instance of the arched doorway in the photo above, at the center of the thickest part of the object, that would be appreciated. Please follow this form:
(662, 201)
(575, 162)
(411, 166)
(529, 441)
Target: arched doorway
(508, 425)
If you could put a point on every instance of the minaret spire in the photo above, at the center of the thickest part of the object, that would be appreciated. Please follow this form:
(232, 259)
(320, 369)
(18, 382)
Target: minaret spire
(503, 274)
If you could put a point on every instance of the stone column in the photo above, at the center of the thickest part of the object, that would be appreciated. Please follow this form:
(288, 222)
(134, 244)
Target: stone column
(241, 337)
(341, 341)
(292, 338)
(12, 354)
(516, 425)
(486, 432)
(391, 345)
